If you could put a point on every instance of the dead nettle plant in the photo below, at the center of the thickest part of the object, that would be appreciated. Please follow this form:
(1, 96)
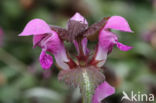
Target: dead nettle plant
(84, 72)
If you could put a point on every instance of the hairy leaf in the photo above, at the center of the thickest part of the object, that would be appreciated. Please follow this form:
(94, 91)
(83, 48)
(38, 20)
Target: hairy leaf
(75, 29)
(93, 30)
(63, 33)
(86, 78)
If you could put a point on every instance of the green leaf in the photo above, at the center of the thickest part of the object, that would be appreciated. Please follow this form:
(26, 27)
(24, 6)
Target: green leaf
(86, 78)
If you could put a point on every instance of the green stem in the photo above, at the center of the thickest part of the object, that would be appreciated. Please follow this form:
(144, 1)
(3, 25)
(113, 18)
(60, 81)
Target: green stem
(88, 89)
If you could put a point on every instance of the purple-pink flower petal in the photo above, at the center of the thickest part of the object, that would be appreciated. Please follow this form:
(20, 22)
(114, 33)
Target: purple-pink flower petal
(46, 60)
(118, 23)
(36, 27)
(52, 43)
(101, 56)
(123, 47)
(106, 42)
(78, 17)
(102, 91)
(37, 39)
(62, 59)
(84, 46)
(107, 39)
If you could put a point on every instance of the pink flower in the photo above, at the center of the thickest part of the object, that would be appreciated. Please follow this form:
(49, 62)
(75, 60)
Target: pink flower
(102, 91)
(108, 39)
(49, 41)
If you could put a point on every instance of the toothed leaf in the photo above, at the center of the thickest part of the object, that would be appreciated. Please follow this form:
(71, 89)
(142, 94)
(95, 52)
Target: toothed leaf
(87, 79)
(93, 30)
(75, 29)
(63, 33)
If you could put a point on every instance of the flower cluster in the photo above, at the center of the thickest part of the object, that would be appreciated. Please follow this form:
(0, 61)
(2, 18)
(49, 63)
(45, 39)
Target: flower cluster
(86, 68)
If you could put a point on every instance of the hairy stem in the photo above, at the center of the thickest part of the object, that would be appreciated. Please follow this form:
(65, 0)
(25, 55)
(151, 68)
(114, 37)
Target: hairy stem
(88, 89)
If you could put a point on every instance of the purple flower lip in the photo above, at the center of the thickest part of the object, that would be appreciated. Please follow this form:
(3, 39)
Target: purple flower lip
(46, 60)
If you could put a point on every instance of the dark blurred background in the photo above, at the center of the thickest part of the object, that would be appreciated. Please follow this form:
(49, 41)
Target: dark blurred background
(22, 80)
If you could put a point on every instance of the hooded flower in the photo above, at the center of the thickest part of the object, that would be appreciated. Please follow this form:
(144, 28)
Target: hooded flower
(49, 41)
(108, 39)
